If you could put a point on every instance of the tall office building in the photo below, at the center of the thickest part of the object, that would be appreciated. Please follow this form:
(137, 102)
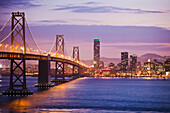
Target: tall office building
(96, 59)
(124, 61)
(158, 67)
(133, 63)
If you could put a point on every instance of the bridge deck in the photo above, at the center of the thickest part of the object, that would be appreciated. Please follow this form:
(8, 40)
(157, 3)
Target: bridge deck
(13, 55)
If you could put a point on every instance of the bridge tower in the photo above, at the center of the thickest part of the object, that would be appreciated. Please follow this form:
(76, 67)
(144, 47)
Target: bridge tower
(59, 45)
(76, 57)
(18, 34)
(76, 53)
(18, 67)
(59, 73)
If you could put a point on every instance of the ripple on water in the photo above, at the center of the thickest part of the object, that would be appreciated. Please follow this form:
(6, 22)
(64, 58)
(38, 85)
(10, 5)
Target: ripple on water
(96, 95)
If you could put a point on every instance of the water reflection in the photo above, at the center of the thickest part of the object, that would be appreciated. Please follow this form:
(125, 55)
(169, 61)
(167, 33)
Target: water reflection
(20, 103)
(98, 95)
(44, 98)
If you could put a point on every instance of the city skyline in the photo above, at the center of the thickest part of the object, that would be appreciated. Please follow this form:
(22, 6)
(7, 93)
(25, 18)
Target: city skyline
(120, 26)
(84, 56)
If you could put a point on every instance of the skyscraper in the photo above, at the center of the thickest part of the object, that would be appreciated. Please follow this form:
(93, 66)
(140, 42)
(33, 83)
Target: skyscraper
(96, 59)
(158, 67)
(124, 61)
(133, 63)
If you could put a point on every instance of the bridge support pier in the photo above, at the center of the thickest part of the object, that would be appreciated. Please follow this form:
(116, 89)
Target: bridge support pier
(59, 73)
(44, 77)
(75, 72)
(81, 71)
(17, 84)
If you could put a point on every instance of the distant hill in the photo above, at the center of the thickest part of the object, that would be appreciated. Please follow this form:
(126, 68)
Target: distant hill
(142, 59)
(151, 55)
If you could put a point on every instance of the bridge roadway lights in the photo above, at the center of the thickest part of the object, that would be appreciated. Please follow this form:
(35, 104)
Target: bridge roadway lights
(44, 77)
(17, 84)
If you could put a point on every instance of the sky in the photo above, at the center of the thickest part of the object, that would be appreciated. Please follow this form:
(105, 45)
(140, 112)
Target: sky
(136, 26)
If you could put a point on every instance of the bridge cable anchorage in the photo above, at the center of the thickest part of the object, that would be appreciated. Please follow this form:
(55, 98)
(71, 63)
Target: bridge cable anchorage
(5, 24)
(52, 46)
(11, 31)
(32, 36)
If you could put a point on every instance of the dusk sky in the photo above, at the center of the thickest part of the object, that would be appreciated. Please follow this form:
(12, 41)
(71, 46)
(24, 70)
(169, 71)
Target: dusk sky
(136, 26)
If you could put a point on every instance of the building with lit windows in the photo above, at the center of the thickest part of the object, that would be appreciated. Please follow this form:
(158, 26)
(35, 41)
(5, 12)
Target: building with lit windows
(158, 67)
(101, 64)
(167, 66)
(138, 68)
(133, 63)
(124, 62)
(149, 68)
(96, 59)
(111, 66)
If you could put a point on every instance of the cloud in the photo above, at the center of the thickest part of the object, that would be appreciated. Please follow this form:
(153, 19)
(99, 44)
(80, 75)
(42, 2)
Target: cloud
(139, 46)
(83, 20)
(53, 21)
(89, 3)
(104, 9)
(17, 3)
(106, 33)
(136, 44)
(5, 13)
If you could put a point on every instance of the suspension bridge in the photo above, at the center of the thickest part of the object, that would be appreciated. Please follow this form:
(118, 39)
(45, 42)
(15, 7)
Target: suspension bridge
(21, 49)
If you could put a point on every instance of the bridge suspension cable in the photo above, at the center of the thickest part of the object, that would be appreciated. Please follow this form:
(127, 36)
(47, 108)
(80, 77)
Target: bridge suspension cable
(65, 50)
(5, 24)
(52, 46)
(29, 48)
(32, 36)
(11, 31)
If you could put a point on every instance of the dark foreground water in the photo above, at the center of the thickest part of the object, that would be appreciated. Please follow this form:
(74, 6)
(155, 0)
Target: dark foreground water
(92, 95)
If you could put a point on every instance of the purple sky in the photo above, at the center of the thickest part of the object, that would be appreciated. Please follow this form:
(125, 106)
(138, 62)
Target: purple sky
(136, 26)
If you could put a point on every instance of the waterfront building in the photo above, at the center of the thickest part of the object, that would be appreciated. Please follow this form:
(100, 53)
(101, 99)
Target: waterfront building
(96, 59)
(101, 64)
(149, 68)
(105, 72)
(111, 66)
(124, 62)
(138, 68)
(119, 66)
(167, 66)
(133, 63)
(158, 67)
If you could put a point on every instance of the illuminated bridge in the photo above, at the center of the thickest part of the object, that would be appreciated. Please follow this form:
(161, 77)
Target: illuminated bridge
(21, 49)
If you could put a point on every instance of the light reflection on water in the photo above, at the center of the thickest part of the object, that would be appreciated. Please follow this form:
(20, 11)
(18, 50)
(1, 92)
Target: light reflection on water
(96, 95)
